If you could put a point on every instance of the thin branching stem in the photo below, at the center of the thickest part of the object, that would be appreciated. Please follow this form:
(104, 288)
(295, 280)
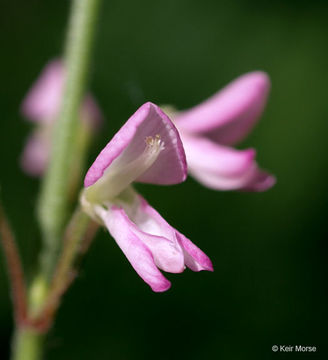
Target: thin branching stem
(78, 235)
(15, 270)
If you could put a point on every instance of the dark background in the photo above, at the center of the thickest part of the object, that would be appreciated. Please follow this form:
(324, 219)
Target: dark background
(269, 249)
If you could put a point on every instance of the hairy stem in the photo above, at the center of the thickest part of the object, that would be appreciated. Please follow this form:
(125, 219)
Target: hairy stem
(53, 204)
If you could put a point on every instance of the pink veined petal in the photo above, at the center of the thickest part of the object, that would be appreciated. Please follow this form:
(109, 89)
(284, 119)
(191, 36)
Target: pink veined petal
(150, 220)
(223, 168)
(134, 249)
(129, 141)
(42, 102)
(34, 159)
(229, 115)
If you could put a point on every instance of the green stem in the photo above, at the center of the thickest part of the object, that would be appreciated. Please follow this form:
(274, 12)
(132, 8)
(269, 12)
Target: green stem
(44, 301)
(27, 344)
(65, 270)
(53, 204)
(54, 198)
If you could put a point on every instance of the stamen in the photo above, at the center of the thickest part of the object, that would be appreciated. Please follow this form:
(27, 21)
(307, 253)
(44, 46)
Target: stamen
(155, 142)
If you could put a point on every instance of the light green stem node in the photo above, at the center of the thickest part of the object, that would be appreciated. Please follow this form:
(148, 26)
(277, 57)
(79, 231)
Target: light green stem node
(27, 344)
(38, 292)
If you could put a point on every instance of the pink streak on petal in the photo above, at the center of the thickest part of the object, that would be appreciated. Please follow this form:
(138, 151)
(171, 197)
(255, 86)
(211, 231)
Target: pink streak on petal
(134, 249)
(195, 259)
(35, 155)
(223, 168)
(42, 102)
(170, 166)
(229, 115)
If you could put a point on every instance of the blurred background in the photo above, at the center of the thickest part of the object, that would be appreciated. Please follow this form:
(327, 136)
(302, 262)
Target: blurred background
(268, 249)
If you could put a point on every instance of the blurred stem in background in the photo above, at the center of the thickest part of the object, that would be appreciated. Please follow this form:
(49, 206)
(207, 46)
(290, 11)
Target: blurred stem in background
(54, 198)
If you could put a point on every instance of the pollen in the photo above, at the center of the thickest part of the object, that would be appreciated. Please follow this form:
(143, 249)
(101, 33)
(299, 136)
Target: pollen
(149, 140)
(155, 142)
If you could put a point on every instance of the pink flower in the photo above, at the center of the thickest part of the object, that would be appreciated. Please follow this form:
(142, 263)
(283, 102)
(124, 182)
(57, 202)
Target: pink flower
(210, 128)
(41, 106)
(146, 149)
(35, 157)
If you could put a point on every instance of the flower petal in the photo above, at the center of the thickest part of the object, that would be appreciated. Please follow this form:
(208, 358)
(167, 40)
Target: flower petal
(149, 220)
(91, 114)
(34, 159)
(138, 254)
(229, 115)
(204, 154)
(195, 259)
(42, 102)
(159, 237)
(129, 144)
(261, 181)
(223, 168)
